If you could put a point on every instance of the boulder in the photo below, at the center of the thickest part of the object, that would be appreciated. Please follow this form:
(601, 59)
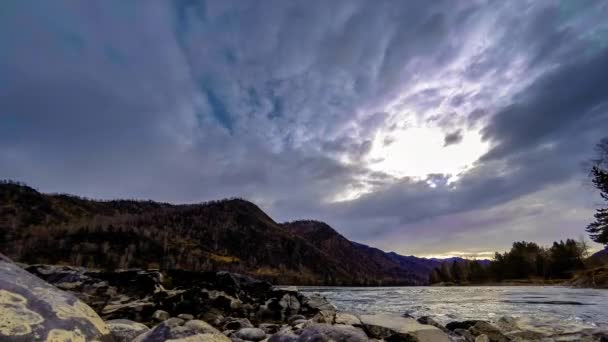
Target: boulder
(185, 317)
(124, 330)
(237, 323)
(250, 334)
(289, 303)
(324, 316)
(316, 303)
(347, 319)
(160, 315)
(392, 327)
(180, 330)
(32, 310)
(461, 325)
(482, 338)
(138, 310)
(269, 328)
(492, 332)
(428, 320)
(295, 318)
(327, 332)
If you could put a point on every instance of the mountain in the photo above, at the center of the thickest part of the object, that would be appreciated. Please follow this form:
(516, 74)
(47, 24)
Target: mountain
(598, 258)
(371, 264)
(233, 235)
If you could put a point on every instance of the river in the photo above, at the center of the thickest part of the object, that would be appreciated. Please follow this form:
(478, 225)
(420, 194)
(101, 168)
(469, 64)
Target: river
(548, 306)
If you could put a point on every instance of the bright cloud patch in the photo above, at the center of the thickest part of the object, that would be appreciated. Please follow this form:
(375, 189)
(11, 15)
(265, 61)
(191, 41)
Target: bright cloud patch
(420, 151)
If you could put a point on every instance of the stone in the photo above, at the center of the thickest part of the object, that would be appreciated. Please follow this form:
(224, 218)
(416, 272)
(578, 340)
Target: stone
(201, 327)
(176, 329)
(295, 318)
(392, 327)
(428, 320)
(32, 310)
(468, 337)
(299, 322)
(284, 336)
(347, 319)
(328, 332)
(185, 317)
(250, 334)
(269, 328)
(289, 303)
(482, 338)
(124, 330)
(325, 316)
(136, 310)
(492, 332)
(212, 316)
(237, 323)
(160, 315)
(317, 303)
(461, 325)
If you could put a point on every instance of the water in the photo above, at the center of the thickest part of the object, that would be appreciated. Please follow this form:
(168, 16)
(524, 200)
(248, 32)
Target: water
(551, 306)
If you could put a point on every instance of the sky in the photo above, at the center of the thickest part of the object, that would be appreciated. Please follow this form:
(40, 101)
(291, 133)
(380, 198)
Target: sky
(433, 128)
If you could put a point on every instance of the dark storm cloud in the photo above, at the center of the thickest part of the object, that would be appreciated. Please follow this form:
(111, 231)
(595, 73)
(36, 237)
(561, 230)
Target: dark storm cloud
(563, 101)
(281, 102)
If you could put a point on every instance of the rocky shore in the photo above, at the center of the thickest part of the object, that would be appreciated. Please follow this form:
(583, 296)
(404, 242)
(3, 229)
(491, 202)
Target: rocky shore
(63, 303)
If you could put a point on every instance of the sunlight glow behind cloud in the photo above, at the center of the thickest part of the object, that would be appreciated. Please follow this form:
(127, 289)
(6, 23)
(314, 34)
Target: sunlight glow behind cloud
(419, 151)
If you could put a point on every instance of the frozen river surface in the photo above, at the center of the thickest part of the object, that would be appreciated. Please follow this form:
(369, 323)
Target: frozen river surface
(540, 306)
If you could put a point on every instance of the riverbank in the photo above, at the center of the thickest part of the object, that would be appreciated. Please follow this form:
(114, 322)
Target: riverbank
(145, 306)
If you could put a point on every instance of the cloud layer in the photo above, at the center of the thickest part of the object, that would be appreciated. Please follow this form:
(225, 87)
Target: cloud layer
(419, 127)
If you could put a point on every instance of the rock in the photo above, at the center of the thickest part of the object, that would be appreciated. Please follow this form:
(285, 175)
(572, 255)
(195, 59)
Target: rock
(124, 330)
(212, 316)
(136, 310)
(289, 303)
(284, 336)
(160, 315)
(185, 317)
(299, 322)
(325, 316)
(180, 330)
(485, 328)
(317, 303)
(347, 319)
(461, 325)
(384, 326)
(32, 310)
(295, 318)
(237, 323)
(482, 338)
(327, 332)
(428, 320)
(269, 328)
(468, 337)
(201, 326)
(250, 334)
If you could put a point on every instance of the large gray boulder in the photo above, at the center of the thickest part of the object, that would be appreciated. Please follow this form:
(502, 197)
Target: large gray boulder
(32, 310)
(392, 327)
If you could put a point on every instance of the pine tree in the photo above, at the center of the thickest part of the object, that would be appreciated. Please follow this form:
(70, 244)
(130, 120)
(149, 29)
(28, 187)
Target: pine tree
(598, 230)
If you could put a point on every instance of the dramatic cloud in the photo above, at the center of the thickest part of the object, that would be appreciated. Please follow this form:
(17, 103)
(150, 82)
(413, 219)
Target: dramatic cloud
(425, 128)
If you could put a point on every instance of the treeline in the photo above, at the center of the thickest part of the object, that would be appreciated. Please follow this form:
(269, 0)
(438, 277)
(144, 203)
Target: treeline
(525, 260)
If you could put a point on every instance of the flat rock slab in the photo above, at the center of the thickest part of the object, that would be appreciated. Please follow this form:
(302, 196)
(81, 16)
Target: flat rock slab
(385, 326)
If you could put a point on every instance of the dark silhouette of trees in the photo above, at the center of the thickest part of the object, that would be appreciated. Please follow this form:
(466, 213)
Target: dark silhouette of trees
(598, 230)
(525, 260)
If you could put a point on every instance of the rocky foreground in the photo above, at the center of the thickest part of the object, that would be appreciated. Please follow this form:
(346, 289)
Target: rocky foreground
(150, 306)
